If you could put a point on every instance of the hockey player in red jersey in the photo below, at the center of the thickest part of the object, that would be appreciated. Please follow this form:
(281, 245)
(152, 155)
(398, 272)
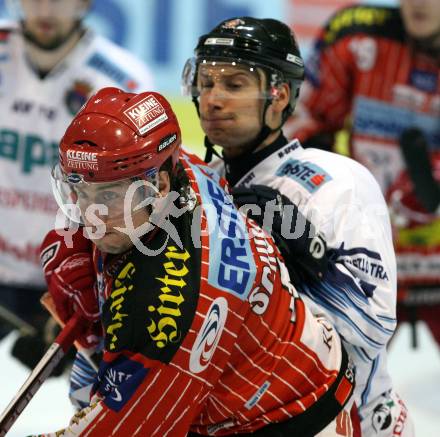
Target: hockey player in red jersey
(203, 332)
(375, 70)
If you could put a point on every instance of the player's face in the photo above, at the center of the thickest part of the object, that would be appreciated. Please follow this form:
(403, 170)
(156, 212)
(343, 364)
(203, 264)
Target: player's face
(49, 22)
(231, 105)
(421, 17)
(102, 210)
(114, 227)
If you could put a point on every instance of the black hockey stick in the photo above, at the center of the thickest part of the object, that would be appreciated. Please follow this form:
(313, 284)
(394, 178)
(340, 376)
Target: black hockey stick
(42, 371)
(415, 151)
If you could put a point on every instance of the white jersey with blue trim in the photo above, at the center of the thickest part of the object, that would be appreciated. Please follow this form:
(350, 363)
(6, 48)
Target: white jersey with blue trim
(35, 112)
(344, 202)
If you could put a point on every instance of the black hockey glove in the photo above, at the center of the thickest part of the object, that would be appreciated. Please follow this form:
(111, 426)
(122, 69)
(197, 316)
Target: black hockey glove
(304, 251)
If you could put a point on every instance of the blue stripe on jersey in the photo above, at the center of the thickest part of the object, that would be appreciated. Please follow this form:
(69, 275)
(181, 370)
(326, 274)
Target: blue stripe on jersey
(82, 373)
(232, 266)
(387, 319)
(341, 315)
(366, 392)
(336, 253)
(361, 352)
(340, 290)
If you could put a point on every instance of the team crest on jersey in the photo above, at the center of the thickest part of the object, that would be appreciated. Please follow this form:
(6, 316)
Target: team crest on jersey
(309, 175)
(77, 95)
(146, 114)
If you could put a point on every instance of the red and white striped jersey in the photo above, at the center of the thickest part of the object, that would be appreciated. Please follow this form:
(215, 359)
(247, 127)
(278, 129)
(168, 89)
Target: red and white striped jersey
(209, 337)
(364, 69)
(366, 74)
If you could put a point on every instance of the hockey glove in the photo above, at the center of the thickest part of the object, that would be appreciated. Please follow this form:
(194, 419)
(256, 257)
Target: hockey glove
(71, 278)
(303, 250)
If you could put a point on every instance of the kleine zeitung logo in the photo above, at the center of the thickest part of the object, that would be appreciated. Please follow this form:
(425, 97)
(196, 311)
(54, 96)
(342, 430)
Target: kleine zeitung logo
(146, 114)
(77, 159)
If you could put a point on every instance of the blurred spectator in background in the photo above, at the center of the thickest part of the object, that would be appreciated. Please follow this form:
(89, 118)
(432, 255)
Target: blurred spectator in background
(49, 65)
(375, 72)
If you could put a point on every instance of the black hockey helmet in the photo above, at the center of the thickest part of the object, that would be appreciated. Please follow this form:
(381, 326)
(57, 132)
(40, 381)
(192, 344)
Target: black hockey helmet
(265, 43)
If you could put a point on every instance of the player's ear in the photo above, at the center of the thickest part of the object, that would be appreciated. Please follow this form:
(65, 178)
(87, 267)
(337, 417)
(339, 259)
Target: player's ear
(280, 100)
(164, 182)
(281, 97)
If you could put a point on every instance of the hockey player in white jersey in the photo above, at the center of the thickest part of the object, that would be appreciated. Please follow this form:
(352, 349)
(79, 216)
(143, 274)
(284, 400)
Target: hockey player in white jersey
(244, 80)
(49, 65)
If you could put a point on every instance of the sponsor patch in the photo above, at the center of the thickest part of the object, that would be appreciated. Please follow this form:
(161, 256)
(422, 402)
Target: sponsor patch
(231, 262)
(208, 336)
(151, 307)
(294, 59)
(49, 254)
(385, 120)
(309, 175)
(118, 310)
(424, 80)
(219, 42)
(75, 178)
(118, 381)
(257, 396)
(77, 95)
(146, 114)
(164, 318)
(80, 160)
(166, 142)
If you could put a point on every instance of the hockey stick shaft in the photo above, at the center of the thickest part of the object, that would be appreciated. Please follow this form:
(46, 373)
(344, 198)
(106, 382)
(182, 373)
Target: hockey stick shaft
(42, 371)
(15, 321)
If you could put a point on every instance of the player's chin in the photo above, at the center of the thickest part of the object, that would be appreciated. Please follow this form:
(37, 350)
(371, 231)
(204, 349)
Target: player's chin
(113, 242)
(217, 136)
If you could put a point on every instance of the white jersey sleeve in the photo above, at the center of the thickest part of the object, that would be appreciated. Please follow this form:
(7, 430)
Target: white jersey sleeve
(359, 291)
(344, 202)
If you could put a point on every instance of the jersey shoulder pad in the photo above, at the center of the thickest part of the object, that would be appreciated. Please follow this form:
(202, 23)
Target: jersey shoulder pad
(364, 19)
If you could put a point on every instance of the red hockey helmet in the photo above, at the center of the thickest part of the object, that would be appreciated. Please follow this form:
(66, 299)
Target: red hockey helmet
(116, 136)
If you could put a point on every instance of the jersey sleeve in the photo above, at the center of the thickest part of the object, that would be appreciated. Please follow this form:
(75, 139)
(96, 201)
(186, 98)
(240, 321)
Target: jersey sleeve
(358, 293)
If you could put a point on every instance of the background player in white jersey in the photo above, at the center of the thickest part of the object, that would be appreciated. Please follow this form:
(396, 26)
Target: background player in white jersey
(49, 65)
(245, 80)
